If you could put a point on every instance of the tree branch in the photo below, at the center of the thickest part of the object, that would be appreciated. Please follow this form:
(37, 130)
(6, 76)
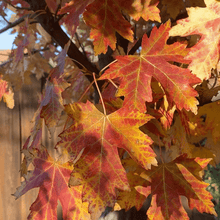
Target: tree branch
(15, 23)
(52, 27)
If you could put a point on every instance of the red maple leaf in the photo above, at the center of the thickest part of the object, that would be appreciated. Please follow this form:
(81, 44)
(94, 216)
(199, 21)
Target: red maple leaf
(52, 177)
(52, 103)
(73, 10)
(57, 71)
(177, 178)
(136, 73)
(6, 93)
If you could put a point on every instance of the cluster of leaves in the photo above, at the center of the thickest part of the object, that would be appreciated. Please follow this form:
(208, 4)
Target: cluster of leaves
(151, 97)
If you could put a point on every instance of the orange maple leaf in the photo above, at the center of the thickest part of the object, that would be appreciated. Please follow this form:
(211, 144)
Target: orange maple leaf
(52, 177)
(99, 168)
(105, 18)
(146, 9)
(100, 172)
(136, 73)
(126, 200)
(206, 121)
(177, 178)
(117, 130)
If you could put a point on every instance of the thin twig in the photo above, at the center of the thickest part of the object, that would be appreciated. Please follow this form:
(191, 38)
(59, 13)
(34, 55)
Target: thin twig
(5, 20)
(84, 70)
(216, 78)
(25, 54)
(87, 89)
(13, 24)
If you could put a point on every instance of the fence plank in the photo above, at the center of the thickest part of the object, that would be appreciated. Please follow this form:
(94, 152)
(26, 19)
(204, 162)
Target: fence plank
(11, 209)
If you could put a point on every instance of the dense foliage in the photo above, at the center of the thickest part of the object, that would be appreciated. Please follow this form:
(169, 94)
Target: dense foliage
(134, 91)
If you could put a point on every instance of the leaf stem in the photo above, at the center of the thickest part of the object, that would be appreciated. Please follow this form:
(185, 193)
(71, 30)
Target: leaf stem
(113, 83)
(103, 69)
(160, 148)
(85, 91)
(99, 93)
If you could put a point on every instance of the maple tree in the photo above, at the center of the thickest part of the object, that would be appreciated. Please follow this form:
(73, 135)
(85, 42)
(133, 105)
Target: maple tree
(132, 77)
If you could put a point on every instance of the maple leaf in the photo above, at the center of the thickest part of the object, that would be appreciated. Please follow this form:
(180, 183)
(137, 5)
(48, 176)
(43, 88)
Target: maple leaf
(202, 138)
(99, 135)
(147, 10)
(52, 178)
(37, 64)
(6, 93)
(206, 23)
(32, 142)
(176, 136)
(100, 171)
(73, 9)
(188, 136)
(109, 90)
(24, 40)
(113, 105)
(52, 103)
(117, 130)
(59, 69)
(52, 5)
(79, 84)
(136, 73)
(126, 200)
(34, 139)
(105, 18)
(167, 114)
(211, 122)
(177, 178)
